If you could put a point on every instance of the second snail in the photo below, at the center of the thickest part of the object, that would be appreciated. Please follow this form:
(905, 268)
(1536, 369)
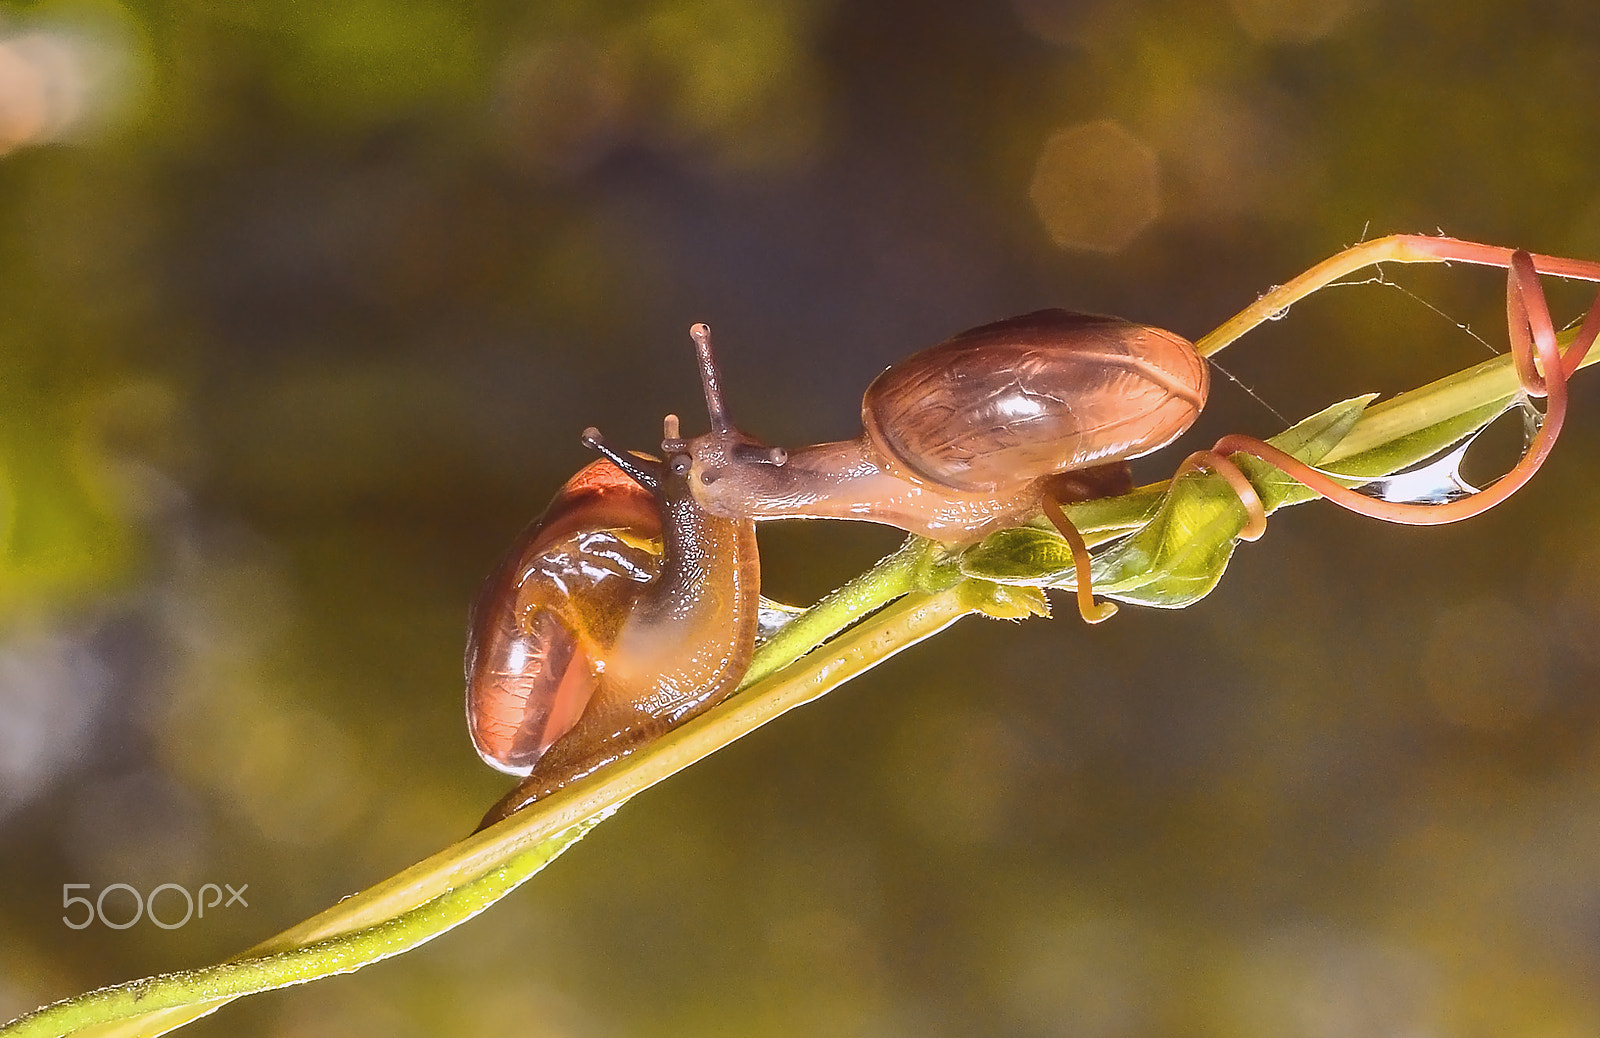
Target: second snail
(584, 648)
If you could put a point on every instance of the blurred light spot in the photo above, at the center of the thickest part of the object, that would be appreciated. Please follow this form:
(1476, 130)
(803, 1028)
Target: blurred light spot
(1290, 21)
(1486, 665)
(218, 582)
(1090, 978)
(730, 83)
(562, 103)
(226, 729)
(1096, 186)
(294, 776)
(52, 81)
(730, 63)
(365, 58)
(51, 687)
(1313, 983)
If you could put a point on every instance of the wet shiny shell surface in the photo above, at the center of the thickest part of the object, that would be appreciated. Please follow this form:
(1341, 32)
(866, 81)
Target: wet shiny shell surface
(561, 591)
(1046, 392)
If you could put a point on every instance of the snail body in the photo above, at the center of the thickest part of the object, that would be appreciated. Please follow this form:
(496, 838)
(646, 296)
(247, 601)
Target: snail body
(968, 436)
(584, 646)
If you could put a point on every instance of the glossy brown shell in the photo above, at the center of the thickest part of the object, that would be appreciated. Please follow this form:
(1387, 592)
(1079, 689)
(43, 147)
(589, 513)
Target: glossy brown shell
(561, 591)
(1003, 404)
(651, 650)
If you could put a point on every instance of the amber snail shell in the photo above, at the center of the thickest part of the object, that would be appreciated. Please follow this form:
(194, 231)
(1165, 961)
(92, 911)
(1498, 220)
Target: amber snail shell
(583, 647)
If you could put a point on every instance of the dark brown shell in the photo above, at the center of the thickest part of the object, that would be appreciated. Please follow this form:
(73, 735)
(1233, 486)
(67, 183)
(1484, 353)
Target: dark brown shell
(1051, 391)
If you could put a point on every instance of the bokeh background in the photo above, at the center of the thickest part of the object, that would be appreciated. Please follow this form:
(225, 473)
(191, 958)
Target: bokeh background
(302, 308)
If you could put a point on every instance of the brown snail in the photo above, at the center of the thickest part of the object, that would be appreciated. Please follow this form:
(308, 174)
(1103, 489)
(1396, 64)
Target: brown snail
(1017, 417)
(980, 432)
(583, 647)
(580, 652)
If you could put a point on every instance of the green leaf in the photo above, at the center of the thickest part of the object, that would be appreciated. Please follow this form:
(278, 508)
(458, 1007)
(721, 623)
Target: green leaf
(1309, 441)
(1022, 555)
(1421, 445)
(1178, 555)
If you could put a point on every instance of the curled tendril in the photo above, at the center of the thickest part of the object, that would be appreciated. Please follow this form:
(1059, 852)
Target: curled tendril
(1541, 369)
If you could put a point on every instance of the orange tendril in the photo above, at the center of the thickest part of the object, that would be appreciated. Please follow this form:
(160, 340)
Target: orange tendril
(1093, 612)
(1542, 370)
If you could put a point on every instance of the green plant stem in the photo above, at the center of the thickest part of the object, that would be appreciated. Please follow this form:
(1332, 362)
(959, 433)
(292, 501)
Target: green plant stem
(435, 895)
(891, 577)
(907, 597)
(214, 986)
(1490, 386)
(1479, 392)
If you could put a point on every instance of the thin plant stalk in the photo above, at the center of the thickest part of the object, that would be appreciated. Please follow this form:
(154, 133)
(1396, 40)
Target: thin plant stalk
(909, 596)
(436, 895)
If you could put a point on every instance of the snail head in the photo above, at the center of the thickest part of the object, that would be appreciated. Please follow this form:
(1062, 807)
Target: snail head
(726, 463)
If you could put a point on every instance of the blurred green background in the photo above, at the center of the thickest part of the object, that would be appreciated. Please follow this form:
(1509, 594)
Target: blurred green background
(302, 308)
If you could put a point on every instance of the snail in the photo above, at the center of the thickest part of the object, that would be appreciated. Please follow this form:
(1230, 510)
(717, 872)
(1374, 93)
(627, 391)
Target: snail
(1021, 416)
(983, 431)
(582, 647)
(579, 655)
